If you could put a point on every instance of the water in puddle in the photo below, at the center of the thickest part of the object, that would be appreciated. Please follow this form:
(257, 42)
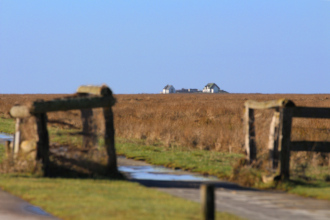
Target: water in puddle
(160, 173)
(6, 137)
(36, 210)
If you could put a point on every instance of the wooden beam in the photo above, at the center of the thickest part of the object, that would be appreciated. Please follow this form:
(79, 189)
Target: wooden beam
(72, 104)
(95, 90)
(284, 141)
(279, 103)
(8, 150)
(17, 136)
(89, 138)
(250, 145)
(20, 111)
(64, 104)
(273, 139)
(310, 146)
(109, 140)
(207, 201)
(43, 142)
(311, 112)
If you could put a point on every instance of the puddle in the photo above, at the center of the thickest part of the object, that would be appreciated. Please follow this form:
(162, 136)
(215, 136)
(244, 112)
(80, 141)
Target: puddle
(5, 137)
(36, 210)
(161, 173)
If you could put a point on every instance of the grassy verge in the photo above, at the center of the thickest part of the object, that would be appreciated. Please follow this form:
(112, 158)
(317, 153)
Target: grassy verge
(101, 199)
(201, 161)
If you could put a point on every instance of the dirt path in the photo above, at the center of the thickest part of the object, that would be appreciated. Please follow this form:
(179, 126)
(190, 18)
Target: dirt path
(245, 202)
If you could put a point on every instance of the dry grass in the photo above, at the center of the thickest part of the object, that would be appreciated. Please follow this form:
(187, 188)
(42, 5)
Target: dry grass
(208, 121)
(204, 121)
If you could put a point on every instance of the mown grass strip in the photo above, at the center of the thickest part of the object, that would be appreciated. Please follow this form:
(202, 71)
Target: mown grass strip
(201, 161)
(101, 199)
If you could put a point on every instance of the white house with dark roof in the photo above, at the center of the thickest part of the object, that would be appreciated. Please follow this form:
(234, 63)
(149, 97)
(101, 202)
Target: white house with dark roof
(168, 89)
(211, 88)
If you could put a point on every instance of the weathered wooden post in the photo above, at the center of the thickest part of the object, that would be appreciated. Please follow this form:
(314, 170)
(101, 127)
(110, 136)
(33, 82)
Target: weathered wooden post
(207, 201)
(284, 141)
(8, 150)
(89, 139)
(43, 142)
(250, 145)
(17, 136)
(109, 140)
(273, 139)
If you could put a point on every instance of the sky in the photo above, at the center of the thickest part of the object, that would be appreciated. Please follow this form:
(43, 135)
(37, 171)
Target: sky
(254, 46)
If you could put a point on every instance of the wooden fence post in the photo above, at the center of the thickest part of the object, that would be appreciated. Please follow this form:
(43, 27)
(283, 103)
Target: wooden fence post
(284, 141)
(273, 139)
(207, 201)
(109, 140)
(43, 142)
(17, 137)
(8, 150)
(250, 145)
(89, 138)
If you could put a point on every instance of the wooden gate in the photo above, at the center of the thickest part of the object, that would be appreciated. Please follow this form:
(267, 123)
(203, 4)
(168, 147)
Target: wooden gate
(280, 131)
(87, 97)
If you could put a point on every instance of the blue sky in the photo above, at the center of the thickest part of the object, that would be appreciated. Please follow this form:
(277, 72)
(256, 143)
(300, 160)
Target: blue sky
(255, 46)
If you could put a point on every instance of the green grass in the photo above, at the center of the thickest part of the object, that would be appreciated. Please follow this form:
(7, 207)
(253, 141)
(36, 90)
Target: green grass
(201, 161)
(7, 125)
(318, 190)
(101, 199)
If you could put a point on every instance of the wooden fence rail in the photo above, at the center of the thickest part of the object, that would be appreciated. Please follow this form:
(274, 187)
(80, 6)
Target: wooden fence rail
(87, 97)
(280, 131)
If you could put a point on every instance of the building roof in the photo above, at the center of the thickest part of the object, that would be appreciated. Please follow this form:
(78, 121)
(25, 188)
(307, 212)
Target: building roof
(168, 86)
(210, 85)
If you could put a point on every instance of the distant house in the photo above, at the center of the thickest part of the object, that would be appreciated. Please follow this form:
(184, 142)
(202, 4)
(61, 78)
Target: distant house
(168, 89)
(211, 88)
